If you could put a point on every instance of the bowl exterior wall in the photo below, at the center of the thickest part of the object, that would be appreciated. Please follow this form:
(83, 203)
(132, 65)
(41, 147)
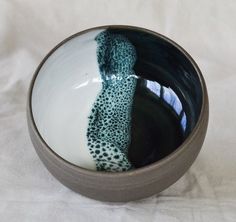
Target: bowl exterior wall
(131, 185)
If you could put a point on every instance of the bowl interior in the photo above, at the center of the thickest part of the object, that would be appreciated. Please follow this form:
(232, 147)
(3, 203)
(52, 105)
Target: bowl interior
(147, 120)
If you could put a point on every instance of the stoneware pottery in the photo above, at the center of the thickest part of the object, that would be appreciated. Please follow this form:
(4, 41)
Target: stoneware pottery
(117, 113)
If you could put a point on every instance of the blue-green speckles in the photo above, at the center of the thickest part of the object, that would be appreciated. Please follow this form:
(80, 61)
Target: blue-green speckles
(110, 119)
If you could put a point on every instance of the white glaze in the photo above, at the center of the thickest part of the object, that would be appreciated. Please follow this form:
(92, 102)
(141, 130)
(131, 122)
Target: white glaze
(63, 94)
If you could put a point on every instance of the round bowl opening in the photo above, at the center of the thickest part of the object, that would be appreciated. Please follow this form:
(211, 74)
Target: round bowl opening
(162, 101)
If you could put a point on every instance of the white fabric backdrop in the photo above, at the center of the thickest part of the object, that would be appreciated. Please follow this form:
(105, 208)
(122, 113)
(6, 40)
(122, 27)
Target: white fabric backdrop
(29, 29)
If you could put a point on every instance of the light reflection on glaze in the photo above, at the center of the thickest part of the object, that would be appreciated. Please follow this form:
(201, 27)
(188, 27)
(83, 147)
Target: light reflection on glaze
(170, 98)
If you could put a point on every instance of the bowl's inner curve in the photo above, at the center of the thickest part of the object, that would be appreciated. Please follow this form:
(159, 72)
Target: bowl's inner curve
(116, 99)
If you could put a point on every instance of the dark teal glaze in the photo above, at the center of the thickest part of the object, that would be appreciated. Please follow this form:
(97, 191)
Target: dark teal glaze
(156, 128)
(160, 61)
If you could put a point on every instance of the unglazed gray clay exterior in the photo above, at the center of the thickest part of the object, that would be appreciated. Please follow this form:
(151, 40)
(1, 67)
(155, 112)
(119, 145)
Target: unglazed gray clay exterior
(136, 183)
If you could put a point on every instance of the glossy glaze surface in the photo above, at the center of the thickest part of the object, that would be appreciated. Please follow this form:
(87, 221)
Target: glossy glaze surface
(116, 99)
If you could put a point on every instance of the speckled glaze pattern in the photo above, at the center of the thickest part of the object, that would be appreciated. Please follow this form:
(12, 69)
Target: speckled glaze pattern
(110, 121)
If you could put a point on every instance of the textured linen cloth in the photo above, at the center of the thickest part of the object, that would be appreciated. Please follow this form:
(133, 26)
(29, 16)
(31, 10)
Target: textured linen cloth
(206, 29)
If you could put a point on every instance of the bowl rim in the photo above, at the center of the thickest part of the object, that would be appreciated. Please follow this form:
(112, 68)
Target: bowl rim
(204, 110)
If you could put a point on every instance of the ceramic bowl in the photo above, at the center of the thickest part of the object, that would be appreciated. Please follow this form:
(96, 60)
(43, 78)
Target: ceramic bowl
(117, 113)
